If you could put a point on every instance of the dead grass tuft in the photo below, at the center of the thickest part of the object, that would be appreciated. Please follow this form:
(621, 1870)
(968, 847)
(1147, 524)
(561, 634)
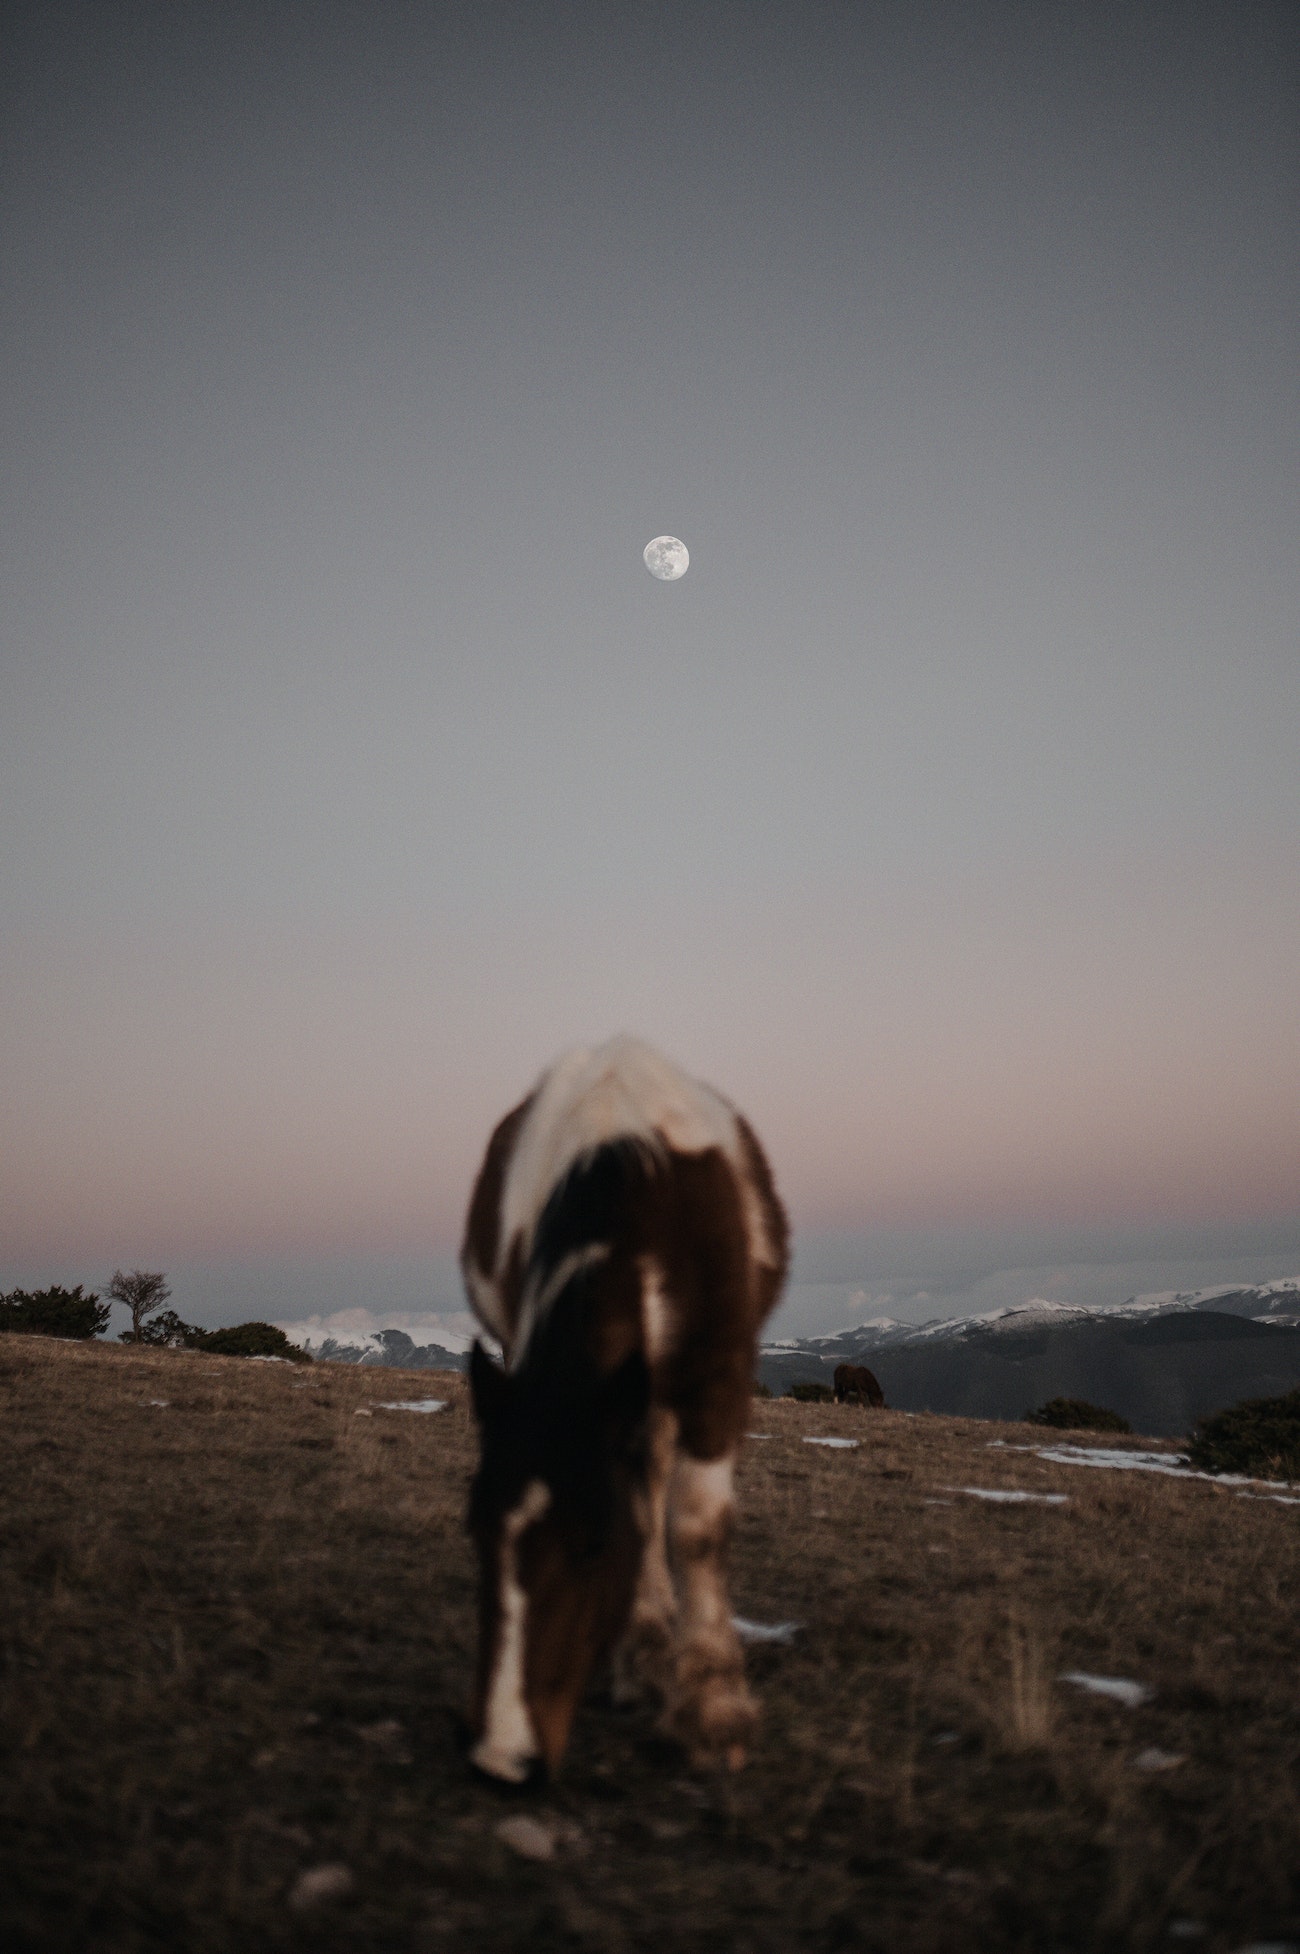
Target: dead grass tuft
(1028, 1723)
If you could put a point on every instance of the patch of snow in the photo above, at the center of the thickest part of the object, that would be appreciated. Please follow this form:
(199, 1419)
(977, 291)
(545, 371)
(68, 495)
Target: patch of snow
(1119, 1460)
(536, 1838)
(160, 1402)
(765, 1631)
(1118, 1688)
(840, 1444)
(1010, 1495)
(1174, 1465)
(1155, 1759)
(1098, 1451)
(414, 1404)
(760, 1434)
(882, 1325)
(879, 1326)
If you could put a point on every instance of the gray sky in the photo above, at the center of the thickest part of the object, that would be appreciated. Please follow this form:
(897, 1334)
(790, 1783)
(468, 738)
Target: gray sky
(946, 814)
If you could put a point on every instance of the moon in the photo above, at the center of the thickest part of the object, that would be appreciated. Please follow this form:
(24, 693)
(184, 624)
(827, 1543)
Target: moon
(667, 558)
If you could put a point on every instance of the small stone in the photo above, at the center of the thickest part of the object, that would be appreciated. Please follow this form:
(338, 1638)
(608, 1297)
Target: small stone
(1118, 1688)
(388, 1736)
(764, 1631)
(529, 1837)
(320, 1884)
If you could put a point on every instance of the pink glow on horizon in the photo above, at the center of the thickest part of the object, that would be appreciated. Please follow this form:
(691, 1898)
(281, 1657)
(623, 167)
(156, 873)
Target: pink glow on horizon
(1098, 1059)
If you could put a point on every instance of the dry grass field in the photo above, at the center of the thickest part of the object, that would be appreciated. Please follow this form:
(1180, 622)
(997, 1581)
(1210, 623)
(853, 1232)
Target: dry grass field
(236, 1633)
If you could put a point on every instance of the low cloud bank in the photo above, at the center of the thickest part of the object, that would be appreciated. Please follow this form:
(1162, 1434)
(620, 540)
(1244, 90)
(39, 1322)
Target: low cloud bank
(401, 1341)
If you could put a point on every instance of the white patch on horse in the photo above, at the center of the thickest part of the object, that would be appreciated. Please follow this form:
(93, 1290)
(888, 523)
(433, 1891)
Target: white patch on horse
(623, 1090)
(538, 1301)
(705, 1486)
(509, 1744)
(762, 1249)
(485, 1298)
(699, 1503)
(658, 1328)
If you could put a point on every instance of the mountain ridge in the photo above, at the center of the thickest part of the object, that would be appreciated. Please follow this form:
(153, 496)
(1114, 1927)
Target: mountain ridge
(1162, 1361)
(1256, 1301)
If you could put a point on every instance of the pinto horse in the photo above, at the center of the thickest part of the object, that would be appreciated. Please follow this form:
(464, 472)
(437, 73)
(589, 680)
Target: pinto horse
(624, 1243)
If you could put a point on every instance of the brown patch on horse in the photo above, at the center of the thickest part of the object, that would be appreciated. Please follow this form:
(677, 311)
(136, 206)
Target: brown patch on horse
(482, 1242)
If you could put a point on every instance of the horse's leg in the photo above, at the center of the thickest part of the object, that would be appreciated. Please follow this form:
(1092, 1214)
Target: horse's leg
(641, 1658)
(710, 1709)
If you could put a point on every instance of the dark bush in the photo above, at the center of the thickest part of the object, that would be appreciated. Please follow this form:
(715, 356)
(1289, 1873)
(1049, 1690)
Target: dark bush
(168, 1331)
(54, 1312)
(250, 1340)
(811, 1393)
(760, 1390)
(1260, 1437)
(1077, 1415)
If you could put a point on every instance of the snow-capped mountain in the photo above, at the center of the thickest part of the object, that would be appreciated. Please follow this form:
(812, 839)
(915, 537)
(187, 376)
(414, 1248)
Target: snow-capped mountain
(392, 1349)
(1270, 1302)
(1161, 1361)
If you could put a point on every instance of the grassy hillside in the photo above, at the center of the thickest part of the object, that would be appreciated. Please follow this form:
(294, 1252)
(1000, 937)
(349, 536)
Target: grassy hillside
(236, 1631)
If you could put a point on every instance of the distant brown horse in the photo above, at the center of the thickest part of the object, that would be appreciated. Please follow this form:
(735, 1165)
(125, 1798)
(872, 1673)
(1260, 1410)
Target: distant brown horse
(855, 1384)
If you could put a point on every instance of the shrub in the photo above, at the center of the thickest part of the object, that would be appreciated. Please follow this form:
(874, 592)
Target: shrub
(1260, 1437)
(759, 1389)
(54, 1312)
(811, 1393)
(250, 1340)
(1077, 1415)
(167, 1330)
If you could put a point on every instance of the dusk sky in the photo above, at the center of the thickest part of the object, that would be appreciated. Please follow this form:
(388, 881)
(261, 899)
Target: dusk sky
(945, 815)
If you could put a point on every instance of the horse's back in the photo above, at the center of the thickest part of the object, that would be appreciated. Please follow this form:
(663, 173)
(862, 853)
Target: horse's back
(618, 1155)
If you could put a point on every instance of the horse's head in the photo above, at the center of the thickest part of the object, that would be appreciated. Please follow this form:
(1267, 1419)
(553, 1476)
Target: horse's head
(553, 1515)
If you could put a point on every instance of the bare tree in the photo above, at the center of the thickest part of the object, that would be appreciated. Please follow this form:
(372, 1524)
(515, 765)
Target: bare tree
(143, 1292)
